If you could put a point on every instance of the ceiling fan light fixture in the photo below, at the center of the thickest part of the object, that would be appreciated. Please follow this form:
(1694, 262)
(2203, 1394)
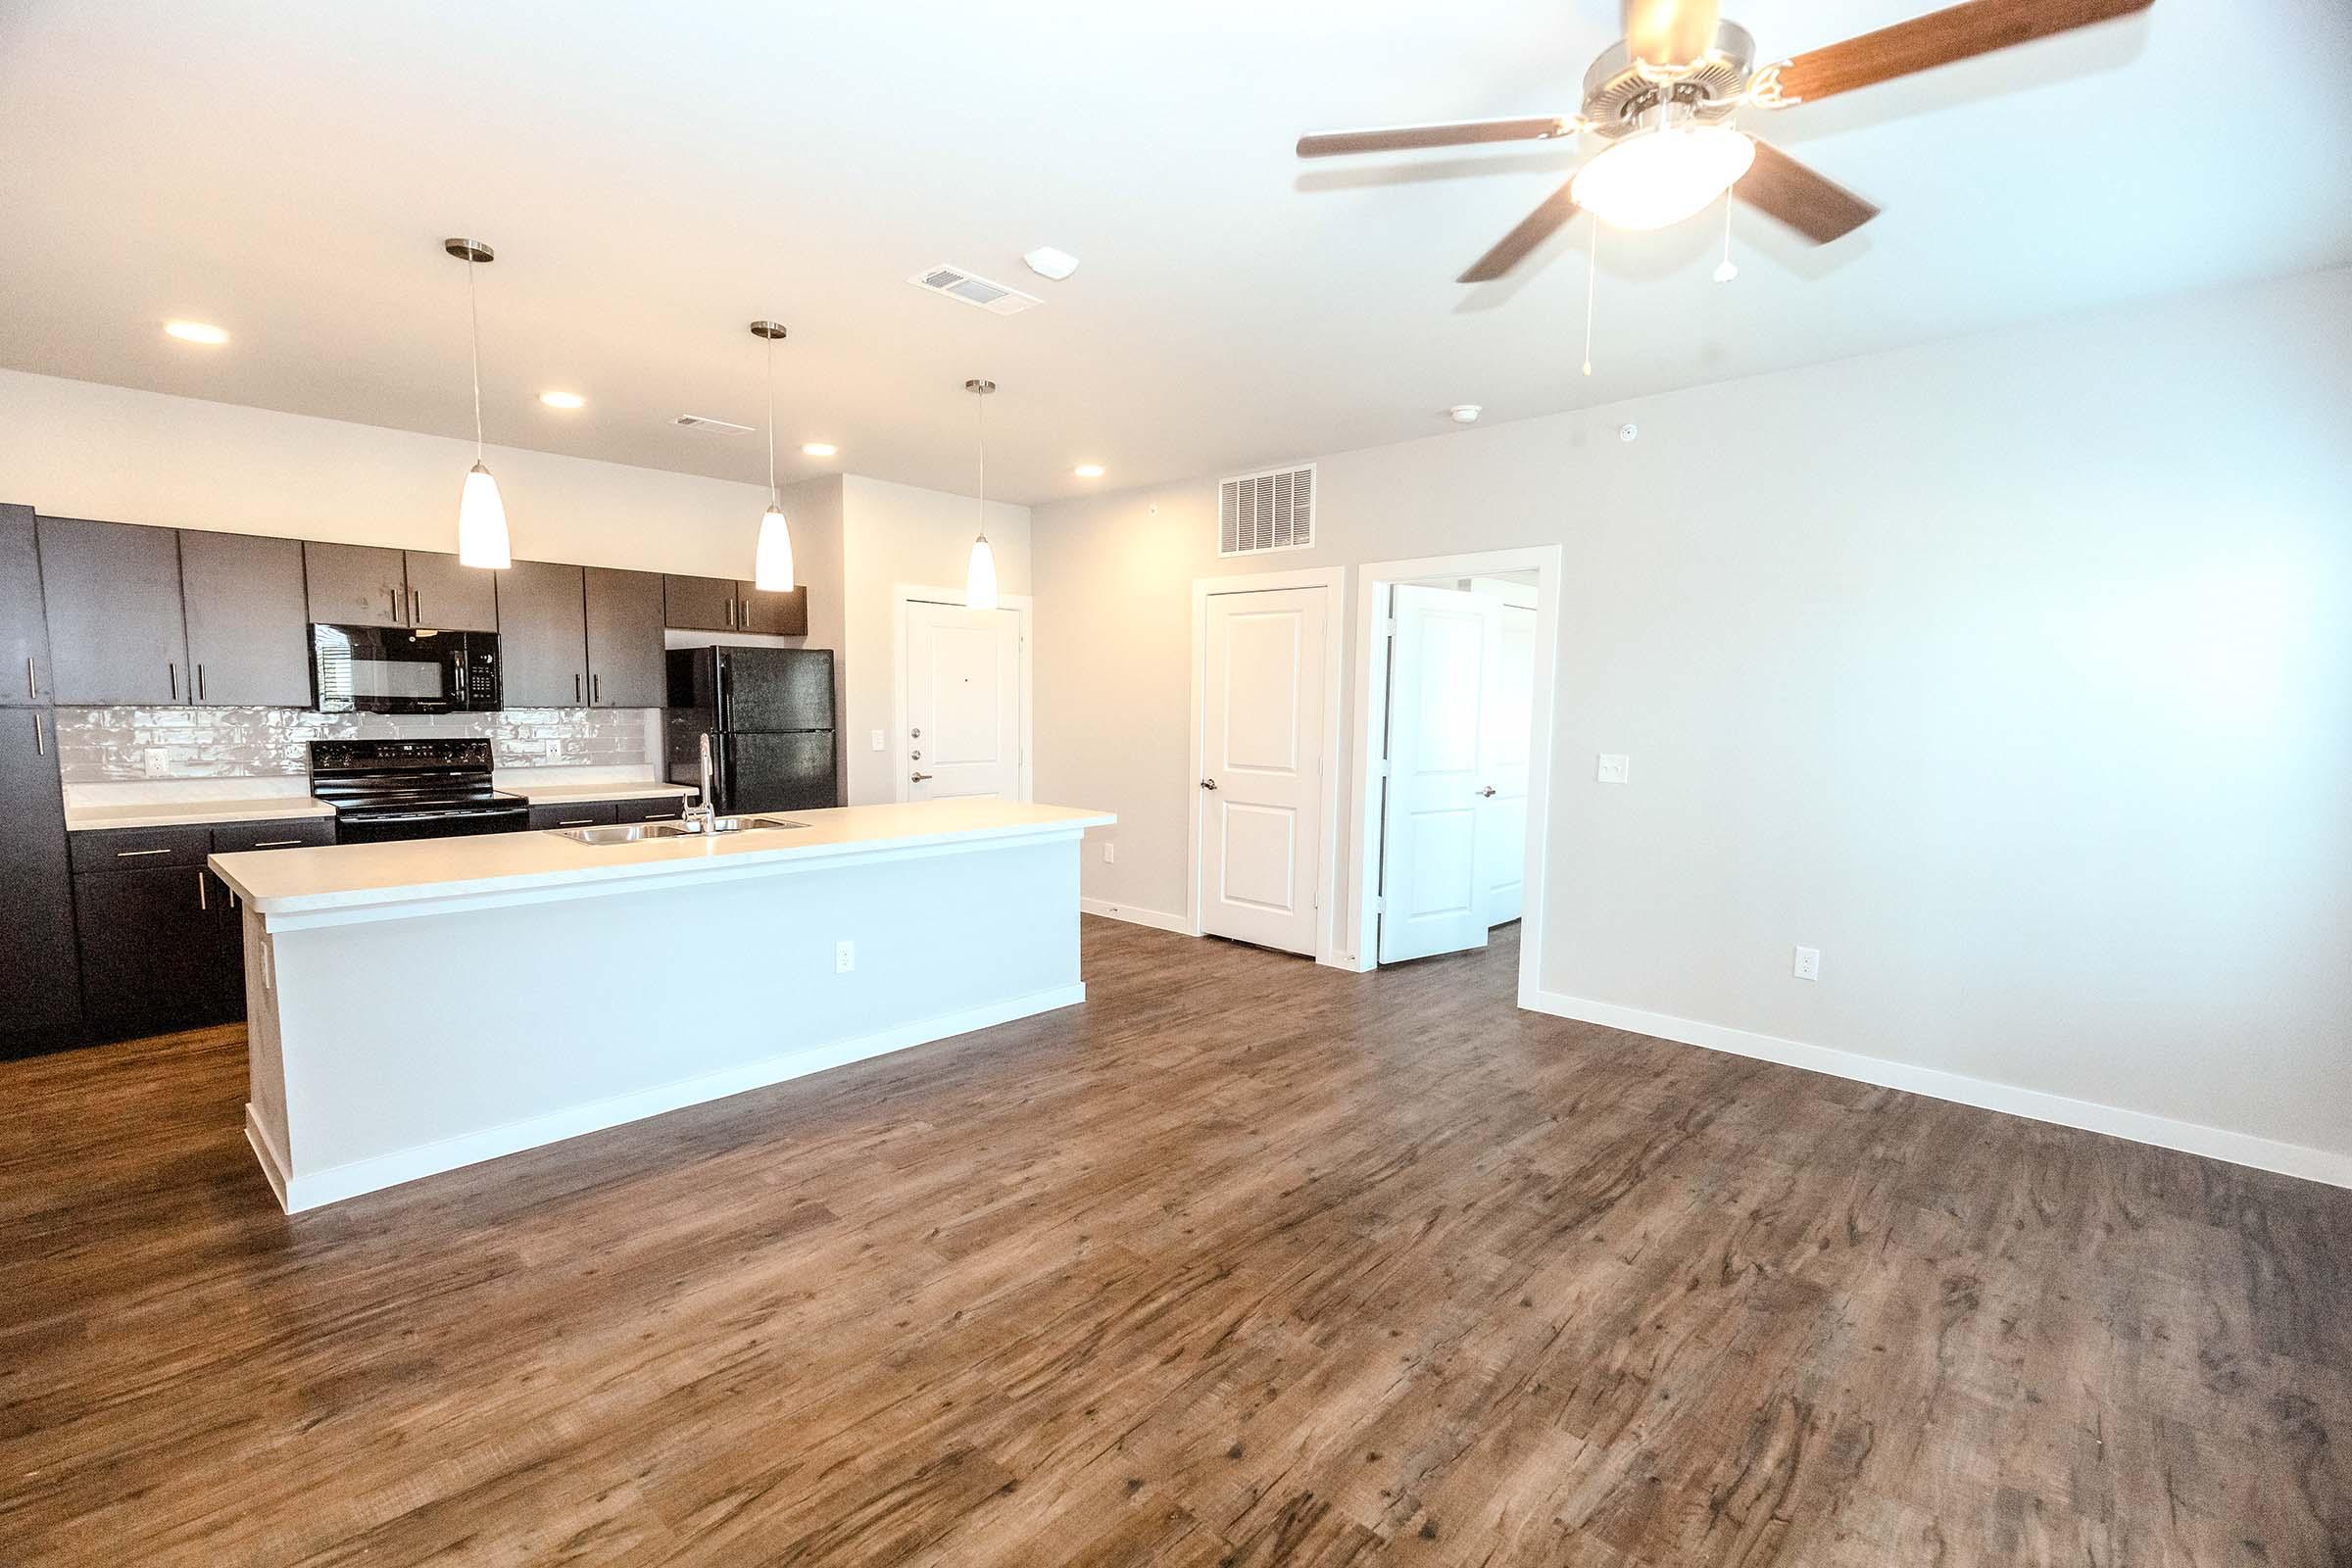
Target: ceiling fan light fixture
(1663, 175)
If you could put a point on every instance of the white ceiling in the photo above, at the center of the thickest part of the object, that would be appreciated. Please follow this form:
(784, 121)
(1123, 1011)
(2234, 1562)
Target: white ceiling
(654, 178)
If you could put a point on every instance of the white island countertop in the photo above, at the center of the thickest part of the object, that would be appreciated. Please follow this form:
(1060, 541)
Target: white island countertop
(349, 878)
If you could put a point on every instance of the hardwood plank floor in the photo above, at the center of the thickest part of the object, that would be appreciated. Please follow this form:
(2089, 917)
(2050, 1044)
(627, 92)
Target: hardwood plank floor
(1242, 1262)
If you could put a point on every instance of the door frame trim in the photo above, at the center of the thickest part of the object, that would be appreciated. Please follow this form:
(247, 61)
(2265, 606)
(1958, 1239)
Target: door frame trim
(903, 594)
(1334, 581)
(1373, 581)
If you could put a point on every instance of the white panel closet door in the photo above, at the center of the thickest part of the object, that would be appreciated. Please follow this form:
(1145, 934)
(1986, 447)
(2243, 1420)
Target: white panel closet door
(1261, 766)
(1503, 726)
(963, 703)
(1431, 810)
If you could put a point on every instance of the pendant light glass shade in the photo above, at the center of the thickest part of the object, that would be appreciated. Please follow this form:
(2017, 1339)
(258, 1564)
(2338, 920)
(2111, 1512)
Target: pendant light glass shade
(482, 522)
(980, 578)
(771, 568)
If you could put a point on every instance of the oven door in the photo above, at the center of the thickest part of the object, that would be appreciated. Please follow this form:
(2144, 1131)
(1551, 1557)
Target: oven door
(387, 669)
(429, 823)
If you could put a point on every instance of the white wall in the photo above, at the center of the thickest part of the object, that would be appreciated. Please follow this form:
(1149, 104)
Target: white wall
(2013, 672)
(893, 534)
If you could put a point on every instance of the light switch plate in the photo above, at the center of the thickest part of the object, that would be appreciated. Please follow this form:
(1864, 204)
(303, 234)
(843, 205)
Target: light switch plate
(1808, 963)
(1111, 852)
(880, 742)
(1615, 768)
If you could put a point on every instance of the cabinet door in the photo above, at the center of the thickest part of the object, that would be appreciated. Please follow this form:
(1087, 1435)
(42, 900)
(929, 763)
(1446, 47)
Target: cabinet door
(779, 614)
(40, 991)
(579, 813)
(356, 585)
(112, 591)
(700, 603)
(249, 642)
(444, 593)
(666, 808)
(543, 635)
(23, 633)
(150, 950)
(625, 663)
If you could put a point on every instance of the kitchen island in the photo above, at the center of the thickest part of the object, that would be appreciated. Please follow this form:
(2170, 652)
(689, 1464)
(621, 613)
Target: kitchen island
(418, 1006)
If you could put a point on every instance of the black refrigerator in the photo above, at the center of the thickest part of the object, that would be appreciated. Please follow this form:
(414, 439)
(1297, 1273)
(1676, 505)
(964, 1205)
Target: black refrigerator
(769, 714)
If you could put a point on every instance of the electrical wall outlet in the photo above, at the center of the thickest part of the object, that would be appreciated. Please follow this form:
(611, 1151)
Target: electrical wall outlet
(1808, 963)
(845, 957)
(1615, 769)
(881, 741)
(1111, 852)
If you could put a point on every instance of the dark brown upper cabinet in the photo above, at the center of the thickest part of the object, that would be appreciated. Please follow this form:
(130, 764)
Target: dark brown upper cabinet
(116, 634)
(357, 585)
(543, 635)
(700, 603)
(778, 615)
(625, 664)
(448, 596)
(24, 678)
(249, 642)
(368, 585)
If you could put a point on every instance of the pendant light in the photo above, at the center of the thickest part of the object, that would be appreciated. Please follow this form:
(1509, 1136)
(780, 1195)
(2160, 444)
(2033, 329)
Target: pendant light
(481, 514)
(980, 579)
(771, 564)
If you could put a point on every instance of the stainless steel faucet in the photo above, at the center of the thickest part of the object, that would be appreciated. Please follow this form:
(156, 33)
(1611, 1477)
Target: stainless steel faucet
(699, 816)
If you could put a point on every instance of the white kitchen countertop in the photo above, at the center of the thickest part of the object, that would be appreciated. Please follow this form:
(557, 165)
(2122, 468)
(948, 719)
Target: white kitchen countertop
(644, 789)
(194, 813)
(498, 866)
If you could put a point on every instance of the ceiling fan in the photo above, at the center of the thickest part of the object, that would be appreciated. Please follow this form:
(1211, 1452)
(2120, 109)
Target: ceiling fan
(1661, 101)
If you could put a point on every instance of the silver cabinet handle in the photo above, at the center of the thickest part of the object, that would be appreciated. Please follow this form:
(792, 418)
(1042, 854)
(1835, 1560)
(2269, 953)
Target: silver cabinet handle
(172, 670)
(415, 608)
(278, 844)
(200, 684)
(575, 822)
(394, 595)
(1208, 783)
(731, 615)
(40, 745)
(132, 855)
(202, 901)
(1488, 792)
(33, 682)
(920, 777)
(596, 689)
(575, 685)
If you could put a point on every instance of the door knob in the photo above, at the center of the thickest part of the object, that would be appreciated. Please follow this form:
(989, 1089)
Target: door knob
(1208, 783)
(920, 777)
(1489, 790)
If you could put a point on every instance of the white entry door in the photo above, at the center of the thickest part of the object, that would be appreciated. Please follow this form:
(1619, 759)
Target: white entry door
(963, 703)
(1504, 723)
(1430, 889)
(1261, 766)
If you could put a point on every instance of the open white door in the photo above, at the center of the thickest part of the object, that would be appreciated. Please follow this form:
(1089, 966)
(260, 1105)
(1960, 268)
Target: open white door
(963, 703)
(1430, 887)
(1261, 762)
(1504, 723)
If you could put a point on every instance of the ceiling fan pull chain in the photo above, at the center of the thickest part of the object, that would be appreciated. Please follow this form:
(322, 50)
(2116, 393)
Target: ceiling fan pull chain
(1728, 269)
(1591, 277)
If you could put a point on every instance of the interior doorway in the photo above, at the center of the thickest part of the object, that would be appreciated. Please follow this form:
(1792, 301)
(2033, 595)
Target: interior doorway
(1453, 739)
(962, 718)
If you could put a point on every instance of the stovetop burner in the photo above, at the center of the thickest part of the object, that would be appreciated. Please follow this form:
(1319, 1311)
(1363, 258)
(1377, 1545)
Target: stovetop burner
(411, 789)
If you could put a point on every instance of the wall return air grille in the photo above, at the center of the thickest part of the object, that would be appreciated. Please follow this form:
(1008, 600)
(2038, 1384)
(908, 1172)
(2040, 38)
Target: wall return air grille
(1270, 510)
(958, 284)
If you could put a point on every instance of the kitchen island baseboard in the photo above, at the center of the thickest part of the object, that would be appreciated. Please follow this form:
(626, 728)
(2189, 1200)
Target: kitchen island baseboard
(397, 1031)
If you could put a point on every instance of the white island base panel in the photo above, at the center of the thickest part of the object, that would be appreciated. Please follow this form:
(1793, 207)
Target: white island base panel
(383, 1049)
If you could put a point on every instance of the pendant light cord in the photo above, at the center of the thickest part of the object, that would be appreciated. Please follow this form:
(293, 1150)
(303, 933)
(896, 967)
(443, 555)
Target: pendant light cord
(982, 399)
(474, 316)
(772, 499)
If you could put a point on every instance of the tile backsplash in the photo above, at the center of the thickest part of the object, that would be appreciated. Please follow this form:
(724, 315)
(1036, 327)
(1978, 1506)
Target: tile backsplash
(115, 744)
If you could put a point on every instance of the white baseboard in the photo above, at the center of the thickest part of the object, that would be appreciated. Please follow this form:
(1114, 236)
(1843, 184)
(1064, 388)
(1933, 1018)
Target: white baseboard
(336, 1183)
(1128, 912)
(2140, 1126)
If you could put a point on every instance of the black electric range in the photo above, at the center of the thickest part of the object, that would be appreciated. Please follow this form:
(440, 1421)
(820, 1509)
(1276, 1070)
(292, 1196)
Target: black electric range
(386, 790)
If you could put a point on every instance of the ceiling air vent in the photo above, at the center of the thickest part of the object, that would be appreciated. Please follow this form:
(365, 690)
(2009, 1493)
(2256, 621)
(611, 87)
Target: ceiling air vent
(1270, 510)
(703, 421)
(958, 284)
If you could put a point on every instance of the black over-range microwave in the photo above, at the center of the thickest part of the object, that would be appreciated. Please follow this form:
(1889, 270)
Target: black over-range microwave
(403, 670)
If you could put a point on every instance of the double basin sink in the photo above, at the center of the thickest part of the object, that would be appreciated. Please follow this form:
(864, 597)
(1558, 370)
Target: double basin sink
(639, 832)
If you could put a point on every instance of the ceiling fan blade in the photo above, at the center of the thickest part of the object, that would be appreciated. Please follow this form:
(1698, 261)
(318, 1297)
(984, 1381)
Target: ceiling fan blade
(1814, 205)
(1533, 230)
(1459, 133)
(1938, 38)
(1669, 33)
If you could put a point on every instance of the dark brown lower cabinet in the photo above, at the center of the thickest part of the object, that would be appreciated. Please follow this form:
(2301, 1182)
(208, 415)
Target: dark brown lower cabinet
(663, 809)
(581, 813)
(41, 989)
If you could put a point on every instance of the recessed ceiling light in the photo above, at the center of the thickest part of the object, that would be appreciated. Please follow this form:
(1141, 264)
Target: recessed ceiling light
(195, 332)
(818, 449)
(1464, 412)
(563, 399)
(1087, 471)
(1047, 261)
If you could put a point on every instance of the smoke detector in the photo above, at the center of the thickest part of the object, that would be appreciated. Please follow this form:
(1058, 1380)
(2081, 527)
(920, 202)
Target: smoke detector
(957, 283)
(703, 421)
(1047, 261)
